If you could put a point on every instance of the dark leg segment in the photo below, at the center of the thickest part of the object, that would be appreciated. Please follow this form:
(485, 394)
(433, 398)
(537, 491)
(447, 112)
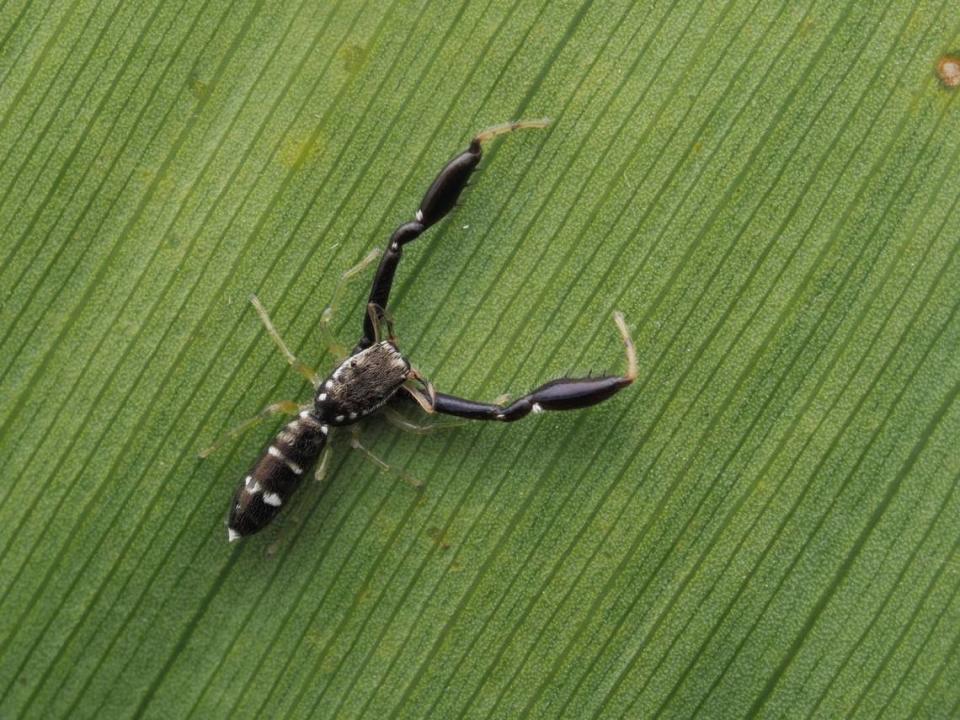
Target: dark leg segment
(438, 201)
(561, 394)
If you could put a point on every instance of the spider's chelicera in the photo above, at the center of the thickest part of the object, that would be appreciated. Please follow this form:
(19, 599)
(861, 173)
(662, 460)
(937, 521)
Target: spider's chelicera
(376, 371)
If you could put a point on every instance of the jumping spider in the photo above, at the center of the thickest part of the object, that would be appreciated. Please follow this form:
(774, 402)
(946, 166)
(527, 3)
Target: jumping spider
(376, 370)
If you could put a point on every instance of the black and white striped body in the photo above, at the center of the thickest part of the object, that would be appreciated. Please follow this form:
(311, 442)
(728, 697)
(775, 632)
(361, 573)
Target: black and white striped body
(274, 477)
(360, 385)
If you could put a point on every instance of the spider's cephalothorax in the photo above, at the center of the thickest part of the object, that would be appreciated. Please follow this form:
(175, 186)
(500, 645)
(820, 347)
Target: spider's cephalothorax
(361, 384)
(376, 372)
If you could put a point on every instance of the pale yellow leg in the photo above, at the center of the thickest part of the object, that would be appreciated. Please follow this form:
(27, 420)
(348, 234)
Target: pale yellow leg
(628, 344)
(286, 407)
(369, 455)
(326, 318)
(425, 395)
(399, 421)
(302, 368)
(507, 127)
(382, 320)
(320, 474)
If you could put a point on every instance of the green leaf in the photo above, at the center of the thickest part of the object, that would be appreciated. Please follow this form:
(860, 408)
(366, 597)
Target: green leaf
(767, 522)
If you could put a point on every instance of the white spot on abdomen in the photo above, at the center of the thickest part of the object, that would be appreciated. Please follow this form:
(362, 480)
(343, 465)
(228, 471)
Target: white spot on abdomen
(275, 452)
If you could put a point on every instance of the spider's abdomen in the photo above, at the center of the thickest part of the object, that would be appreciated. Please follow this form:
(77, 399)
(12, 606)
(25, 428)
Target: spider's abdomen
(361, 384)
(275, 476)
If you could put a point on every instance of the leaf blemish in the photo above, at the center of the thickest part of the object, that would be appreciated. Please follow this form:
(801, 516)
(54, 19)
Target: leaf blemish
(439, 538)
(354, 57)
(198, 87)
(948, 70)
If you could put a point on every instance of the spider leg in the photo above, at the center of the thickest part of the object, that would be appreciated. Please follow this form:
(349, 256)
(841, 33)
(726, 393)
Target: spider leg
(439, 200)
(326, 319)
(308, 372)
(559, 394)
(421, 390)
(284, 407)
(379, 462)
(320, 474)
(382, 322)
(399, 421)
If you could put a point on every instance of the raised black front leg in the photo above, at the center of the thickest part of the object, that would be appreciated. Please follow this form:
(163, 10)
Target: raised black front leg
(438, 201)
(560, 394)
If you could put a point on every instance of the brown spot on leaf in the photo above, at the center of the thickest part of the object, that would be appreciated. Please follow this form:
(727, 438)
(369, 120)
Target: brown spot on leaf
(199, 88)
(354, 57)
(439, 537)
(948, 70)
(299, 151)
